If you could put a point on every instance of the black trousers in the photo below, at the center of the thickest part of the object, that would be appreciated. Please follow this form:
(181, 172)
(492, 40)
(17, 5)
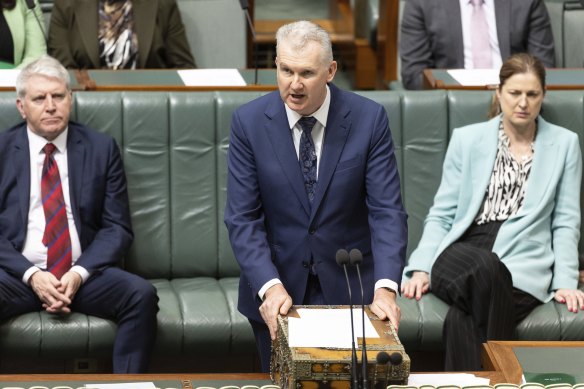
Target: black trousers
(484, 305)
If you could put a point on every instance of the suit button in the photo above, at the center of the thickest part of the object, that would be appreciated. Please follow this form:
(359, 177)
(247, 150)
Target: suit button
(312, 231)
(305, 264)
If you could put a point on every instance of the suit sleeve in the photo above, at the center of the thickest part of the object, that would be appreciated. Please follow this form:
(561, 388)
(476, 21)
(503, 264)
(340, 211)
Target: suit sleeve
(566, 220)
(35, 45)
(112, 230)
(441, 215)
(415, 51)
(244, 216)
(540, 40)
(59, 30)
(387, 217)
(177, 46)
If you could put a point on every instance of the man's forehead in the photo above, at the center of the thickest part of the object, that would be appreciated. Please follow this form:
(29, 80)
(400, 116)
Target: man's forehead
(39, 83)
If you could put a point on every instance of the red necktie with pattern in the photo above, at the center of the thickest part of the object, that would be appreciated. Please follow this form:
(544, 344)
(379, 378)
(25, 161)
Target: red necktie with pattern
(56, 237)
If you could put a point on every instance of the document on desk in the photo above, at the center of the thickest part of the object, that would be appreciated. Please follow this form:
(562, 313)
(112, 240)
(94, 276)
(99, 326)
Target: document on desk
(211, 77)
(450, 379)
(475, 77)
(327, 328)
(8, 77)
(124, 385)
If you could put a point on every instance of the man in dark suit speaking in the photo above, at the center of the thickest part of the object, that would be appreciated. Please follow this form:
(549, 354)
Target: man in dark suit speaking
(311, 170)
(64, 219)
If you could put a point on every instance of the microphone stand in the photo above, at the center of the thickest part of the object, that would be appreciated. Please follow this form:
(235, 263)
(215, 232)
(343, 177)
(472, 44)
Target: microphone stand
(342, 258)
(356, 258)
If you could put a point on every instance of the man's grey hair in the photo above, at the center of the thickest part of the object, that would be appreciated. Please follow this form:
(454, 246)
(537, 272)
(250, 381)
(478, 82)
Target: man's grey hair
(44, 66)
(299, 34)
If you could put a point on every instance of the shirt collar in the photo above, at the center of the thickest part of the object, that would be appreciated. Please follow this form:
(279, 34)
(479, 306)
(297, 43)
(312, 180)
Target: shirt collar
(320, 114)
(37, 142)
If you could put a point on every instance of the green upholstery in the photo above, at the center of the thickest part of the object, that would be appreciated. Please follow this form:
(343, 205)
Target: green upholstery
(566, 18)
(174, 148)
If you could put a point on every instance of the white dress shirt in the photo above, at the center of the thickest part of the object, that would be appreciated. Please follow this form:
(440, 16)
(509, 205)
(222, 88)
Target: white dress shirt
(34, 250)
(466, 9)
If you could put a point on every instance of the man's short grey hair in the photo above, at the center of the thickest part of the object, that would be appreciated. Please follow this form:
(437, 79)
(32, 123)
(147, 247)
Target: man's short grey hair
(298, 34)
(44, 66)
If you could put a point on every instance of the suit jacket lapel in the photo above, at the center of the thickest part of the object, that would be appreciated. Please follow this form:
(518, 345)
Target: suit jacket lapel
(454, 32)
(75, 164)
(542, 168)
(485, 150)
(86, 13)
(280, 136)
(144, 23)
(21, 160)
(502, 17)
(336, 132)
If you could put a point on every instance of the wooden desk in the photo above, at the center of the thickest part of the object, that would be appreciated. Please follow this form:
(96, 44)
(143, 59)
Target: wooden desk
(499, 356)
(166, 80)
(556, 79)
(184, 381)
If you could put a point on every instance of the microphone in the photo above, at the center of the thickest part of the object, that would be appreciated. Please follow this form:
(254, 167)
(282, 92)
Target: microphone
(356, 259)
(31, 6)
(245, 7)
(396, 358)
(342, 258)
(382, 359)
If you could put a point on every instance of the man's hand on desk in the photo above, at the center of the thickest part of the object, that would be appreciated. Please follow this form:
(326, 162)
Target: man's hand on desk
(384, 305)
(276, 301)
(47, 287)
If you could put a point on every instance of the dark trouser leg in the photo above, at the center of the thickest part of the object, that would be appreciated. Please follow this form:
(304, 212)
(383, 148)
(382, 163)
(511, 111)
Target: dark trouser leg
(263, 343)
(132, 302)
(478, 287)
(16, 298)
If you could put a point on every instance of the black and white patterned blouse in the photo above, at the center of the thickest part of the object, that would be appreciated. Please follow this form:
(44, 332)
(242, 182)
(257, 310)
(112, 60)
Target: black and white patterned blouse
(506, 190)
(118, 43)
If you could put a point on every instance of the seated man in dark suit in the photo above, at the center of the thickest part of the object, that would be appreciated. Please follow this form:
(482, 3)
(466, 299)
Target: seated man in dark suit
(65, 222)
(471, 34)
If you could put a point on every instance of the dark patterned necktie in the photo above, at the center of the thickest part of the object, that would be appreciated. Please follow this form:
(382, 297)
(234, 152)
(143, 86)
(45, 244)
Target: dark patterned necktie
(307, 155)
(56, 237)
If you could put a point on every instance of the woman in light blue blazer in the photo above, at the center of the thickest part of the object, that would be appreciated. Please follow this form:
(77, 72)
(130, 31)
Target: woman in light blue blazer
(24, 40)
(502, 234)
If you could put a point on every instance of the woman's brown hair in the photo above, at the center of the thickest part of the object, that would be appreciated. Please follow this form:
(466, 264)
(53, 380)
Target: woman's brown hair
(517, 64)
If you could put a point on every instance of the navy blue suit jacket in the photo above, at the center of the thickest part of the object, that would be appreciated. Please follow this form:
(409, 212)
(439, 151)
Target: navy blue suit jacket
(273, 230)
(98, 192)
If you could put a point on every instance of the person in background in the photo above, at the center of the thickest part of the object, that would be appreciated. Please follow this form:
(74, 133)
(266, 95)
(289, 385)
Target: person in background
(119, 34)
(65, 220)
(311, 170)
(22, 39)
(502, 235)
(471, 34)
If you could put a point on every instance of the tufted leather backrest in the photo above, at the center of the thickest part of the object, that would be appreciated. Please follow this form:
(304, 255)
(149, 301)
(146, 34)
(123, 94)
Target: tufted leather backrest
(174, 147)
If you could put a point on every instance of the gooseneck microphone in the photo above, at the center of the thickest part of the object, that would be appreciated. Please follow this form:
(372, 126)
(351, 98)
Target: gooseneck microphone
(342, 258)
(31, 6)
(382, 358)
(245, 7)
(356, 259)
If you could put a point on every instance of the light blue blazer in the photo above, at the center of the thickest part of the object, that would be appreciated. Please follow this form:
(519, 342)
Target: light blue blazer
(539, 244)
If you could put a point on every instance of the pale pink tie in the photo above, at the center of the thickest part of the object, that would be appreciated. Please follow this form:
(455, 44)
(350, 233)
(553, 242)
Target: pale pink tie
(481, 51)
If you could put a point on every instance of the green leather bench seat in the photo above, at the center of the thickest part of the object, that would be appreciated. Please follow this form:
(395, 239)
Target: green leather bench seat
(174, 147)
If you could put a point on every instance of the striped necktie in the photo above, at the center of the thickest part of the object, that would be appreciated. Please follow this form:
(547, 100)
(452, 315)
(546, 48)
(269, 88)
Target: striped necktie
(56, 237)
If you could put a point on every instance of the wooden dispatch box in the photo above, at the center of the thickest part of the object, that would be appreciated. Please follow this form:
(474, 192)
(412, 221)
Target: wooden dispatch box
(318, 368)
